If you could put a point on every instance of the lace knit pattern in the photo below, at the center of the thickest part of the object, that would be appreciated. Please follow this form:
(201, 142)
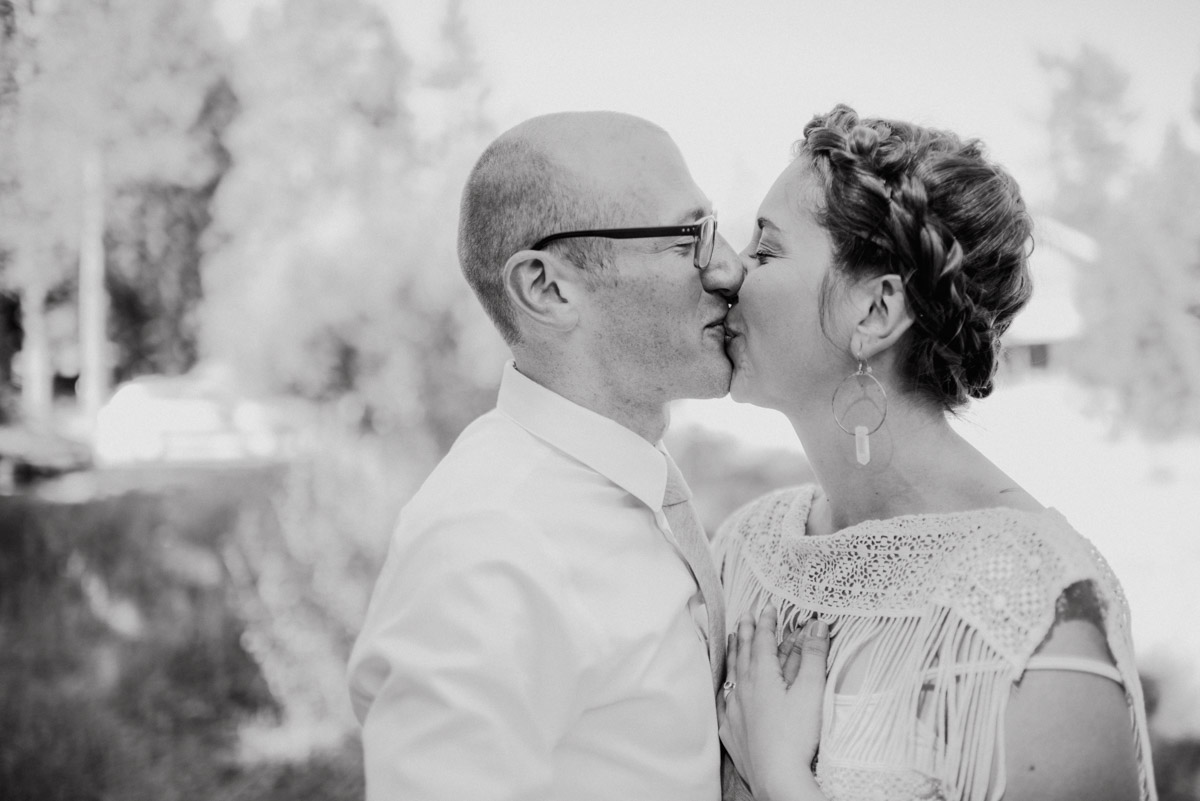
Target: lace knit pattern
(946, 609)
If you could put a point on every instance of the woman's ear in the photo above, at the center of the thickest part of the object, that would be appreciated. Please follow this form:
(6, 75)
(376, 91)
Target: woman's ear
(544, 288)
(884, 315)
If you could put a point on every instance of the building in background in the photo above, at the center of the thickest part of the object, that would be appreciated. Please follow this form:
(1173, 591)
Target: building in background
(1047, 327)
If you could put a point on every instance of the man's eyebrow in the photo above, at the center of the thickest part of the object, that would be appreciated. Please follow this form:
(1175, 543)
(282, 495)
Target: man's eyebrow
(693, 214)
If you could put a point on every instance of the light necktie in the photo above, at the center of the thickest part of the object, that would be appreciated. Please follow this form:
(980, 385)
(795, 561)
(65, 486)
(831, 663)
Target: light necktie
(693, 544)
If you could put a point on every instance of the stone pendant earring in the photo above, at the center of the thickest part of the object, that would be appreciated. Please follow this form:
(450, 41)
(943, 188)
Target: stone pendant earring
(860, 407)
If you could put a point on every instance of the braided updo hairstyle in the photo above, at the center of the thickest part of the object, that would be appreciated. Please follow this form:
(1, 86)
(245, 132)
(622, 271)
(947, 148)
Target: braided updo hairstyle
(927, 206)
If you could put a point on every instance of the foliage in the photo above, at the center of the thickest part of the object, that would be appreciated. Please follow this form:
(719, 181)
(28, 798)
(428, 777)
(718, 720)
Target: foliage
(121, 667)
(113, 91)
(331, 271)
(302, 567)
(300, 226)
(286, 202)
(323, 776)
(1088, 127)
(1141, 298)
(153, 254)
(66, 748)
(149, 637)
(128, 78)
(1177, 769)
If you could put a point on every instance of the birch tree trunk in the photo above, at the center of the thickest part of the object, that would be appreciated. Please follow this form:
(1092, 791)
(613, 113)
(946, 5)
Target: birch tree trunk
(93, 306)
(36, 378)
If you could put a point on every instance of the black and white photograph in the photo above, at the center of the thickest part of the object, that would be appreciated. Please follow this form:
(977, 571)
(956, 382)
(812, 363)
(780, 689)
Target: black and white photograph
(544, 400)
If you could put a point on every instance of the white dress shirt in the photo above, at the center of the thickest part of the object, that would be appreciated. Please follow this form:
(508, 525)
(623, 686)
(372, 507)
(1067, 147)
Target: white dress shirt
(534, 633)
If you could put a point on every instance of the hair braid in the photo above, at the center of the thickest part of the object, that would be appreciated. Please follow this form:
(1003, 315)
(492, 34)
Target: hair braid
(927, 206)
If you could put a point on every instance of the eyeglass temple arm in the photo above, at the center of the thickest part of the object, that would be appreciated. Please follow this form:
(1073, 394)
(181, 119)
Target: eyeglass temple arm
(624, 233)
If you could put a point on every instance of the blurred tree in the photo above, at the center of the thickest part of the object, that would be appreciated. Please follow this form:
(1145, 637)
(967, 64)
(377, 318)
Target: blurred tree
(332, 272)
(1088, 129)
(28, 211)
(8, 105)
(1194, 304)
(106, 96)
(154, 254)
(1142, 338)
(459, 374)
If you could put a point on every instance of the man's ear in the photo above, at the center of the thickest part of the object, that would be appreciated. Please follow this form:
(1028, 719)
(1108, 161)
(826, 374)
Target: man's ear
(884, 315)
(544, 288)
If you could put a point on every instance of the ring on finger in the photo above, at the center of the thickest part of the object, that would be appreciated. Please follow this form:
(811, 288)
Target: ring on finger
(728, 686)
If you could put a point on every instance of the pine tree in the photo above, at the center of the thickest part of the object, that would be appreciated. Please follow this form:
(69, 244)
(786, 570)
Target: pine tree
(1141, 340)
(1088, 127)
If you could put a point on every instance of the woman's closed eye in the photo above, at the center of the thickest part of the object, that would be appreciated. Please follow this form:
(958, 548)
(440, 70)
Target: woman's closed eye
(764, 252)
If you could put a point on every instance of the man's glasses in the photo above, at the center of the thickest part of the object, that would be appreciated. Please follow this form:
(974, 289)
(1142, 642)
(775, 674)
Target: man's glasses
(705, 231)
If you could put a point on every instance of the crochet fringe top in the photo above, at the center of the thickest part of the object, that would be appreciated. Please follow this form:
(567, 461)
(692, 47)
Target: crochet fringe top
(953, 605)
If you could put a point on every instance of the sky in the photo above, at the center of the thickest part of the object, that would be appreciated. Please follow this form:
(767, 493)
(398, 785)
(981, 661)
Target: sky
(734, 83)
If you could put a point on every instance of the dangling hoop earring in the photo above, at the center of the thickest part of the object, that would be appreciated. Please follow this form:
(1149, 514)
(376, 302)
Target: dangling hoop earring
(866, 382)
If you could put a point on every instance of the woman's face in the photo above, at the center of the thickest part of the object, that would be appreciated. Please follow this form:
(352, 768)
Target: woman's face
(782, 358)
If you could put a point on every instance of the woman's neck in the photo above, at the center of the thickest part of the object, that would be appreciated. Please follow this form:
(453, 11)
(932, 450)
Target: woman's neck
(918, 465)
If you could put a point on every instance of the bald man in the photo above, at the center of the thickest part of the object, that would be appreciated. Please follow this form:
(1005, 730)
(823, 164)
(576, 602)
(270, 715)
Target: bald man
(544, 626)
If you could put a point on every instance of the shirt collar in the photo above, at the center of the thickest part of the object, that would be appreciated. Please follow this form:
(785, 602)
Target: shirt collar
(608, 447)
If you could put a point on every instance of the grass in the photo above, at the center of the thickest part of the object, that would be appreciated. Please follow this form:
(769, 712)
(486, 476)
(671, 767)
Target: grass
(165, 631)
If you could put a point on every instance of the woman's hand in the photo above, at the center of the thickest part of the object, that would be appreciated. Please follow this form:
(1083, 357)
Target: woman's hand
(770, 713)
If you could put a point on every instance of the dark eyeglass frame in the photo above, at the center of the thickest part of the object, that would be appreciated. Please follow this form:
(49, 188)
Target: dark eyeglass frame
(704, 230)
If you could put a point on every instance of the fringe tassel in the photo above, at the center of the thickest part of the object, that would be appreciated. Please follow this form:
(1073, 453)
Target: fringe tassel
(933, 694)
(930, 673)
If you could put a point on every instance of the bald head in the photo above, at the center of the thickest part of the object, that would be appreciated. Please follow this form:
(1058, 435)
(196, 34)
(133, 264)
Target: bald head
(585, 142)
(552, 173)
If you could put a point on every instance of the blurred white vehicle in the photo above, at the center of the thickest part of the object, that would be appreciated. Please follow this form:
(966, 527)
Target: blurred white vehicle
(197, 417)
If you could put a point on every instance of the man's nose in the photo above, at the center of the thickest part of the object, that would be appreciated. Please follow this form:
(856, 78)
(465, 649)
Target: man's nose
(724, 274)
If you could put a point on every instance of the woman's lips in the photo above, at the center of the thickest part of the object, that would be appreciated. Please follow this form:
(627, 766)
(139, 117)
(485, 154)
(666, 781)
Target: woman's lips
(734, 343)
